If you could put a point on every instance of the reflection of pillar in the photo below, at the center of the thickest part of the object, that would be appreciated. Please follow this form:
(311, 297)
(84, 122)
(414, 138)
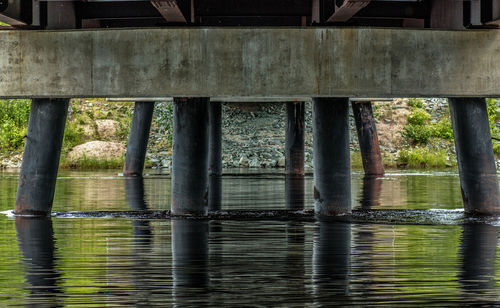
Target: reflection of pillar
(476, 162)
(134, 189)
(215, 157)
(294, 192)
(478, 254)
(189, 261)
(332, 170)
(37, 179)
(294, 141)
(368, 138)
(138, 138)
(36, 242)
(295, 264)
(142, 233)
(372, 187)
(190, 156)
(331, 261)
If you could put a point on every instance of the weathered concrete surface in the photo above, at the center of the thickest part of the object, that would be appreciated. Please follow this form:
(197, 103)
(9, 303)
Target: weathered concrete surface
(257, 62)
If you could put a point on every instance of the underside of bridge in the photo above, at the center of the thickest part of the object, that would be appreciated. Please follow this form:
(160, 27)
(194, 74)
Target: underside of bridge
(327, 50)
(38, 14)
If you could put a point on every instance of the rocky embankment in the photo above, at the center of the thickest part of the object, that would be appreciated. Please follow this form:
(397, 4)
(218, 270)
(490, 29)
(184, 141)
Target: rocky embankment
(254, 133)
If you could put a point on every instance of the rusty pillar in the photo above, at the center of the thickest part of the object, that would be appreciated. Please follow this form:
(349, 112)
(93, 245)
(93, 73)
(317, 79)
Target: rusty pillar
(42, 150)
(294, 140)
(215, 157)
(138, 138)
(332, 170)
(190, 156)
(476, 162)
(368, 138)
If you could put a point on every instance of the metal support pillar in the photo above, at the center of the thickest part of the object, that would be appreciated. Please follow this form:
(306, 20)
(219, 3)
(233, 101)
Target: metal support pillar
(42, 150)
(215, 157)
(368, 138)
(332, 170)
(138, 138)
(476, 162)
(294, 140)
(190, 156)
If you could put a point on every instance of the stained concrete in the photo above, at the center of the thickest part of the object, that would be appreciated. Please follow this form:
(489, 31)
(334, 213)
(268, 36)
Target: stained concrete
(250, 62)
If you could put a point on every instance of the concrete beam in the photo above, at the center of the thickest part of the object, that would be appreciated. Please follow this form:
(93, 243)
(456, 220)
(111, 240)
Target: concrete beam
(244, 62)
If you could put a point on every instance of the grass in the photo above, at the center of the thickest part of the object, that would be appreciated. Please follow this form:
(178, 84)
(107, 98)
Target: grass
(425, 158)
(92, 163)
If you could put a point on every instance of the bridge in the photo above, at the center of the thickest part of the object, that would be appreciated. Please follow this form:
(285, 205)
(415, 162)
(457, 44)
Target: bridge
(285, 50)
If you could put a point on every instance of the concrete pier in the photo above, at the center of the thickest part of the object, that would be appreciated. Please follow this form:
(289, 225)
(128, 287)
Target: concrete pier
(215, 157)
(476, 162)
(332, 170)
(247, 61)
(368, 138)
(42, 150)
(138, 138)
(190, 156)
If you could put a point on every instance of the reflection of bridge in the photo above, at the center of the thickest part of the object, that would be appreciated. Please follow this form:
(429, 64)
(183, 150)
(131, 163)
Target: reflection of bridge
(258, 61)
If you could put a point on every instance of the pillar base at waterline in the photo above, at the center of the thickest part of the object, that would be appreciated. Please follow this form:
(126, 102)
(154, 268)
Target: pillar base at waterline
(42, 150)
(190, 157)
(476, 161)
(332, 170)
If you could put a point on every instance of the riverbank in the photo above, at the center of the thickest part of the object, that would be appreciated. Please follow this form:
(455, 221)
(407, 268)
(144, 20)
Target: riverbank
(413, 133)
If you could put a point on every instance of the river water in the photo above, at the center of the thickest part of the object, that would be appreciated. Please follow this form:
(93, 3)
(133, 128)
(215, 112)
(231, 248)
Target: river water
(110, 243)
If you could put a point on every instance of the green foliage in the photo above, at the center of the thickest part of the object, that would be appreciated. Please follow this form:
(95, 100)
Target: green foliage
(492, 107)
(93, 163)
(73, 135)
(424, 158)
(419, 129)
(419, 117)
(442, 129)
(417, 134)
(496, 148)
(14, 115)
(415, 103)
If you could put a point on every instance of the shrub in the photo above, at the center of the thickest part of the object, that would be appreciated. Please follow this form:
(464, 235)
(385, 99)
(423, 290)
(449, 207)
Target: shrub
(14, 115)
(443, 129)
(417, 134)
(419, 117)
(496, 148)
(415, 103)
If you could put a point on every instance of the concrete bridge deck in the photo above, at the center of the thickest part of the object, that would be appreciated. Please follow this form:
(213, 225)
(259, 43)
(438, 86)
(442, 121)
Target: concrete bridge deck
(250, 62)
